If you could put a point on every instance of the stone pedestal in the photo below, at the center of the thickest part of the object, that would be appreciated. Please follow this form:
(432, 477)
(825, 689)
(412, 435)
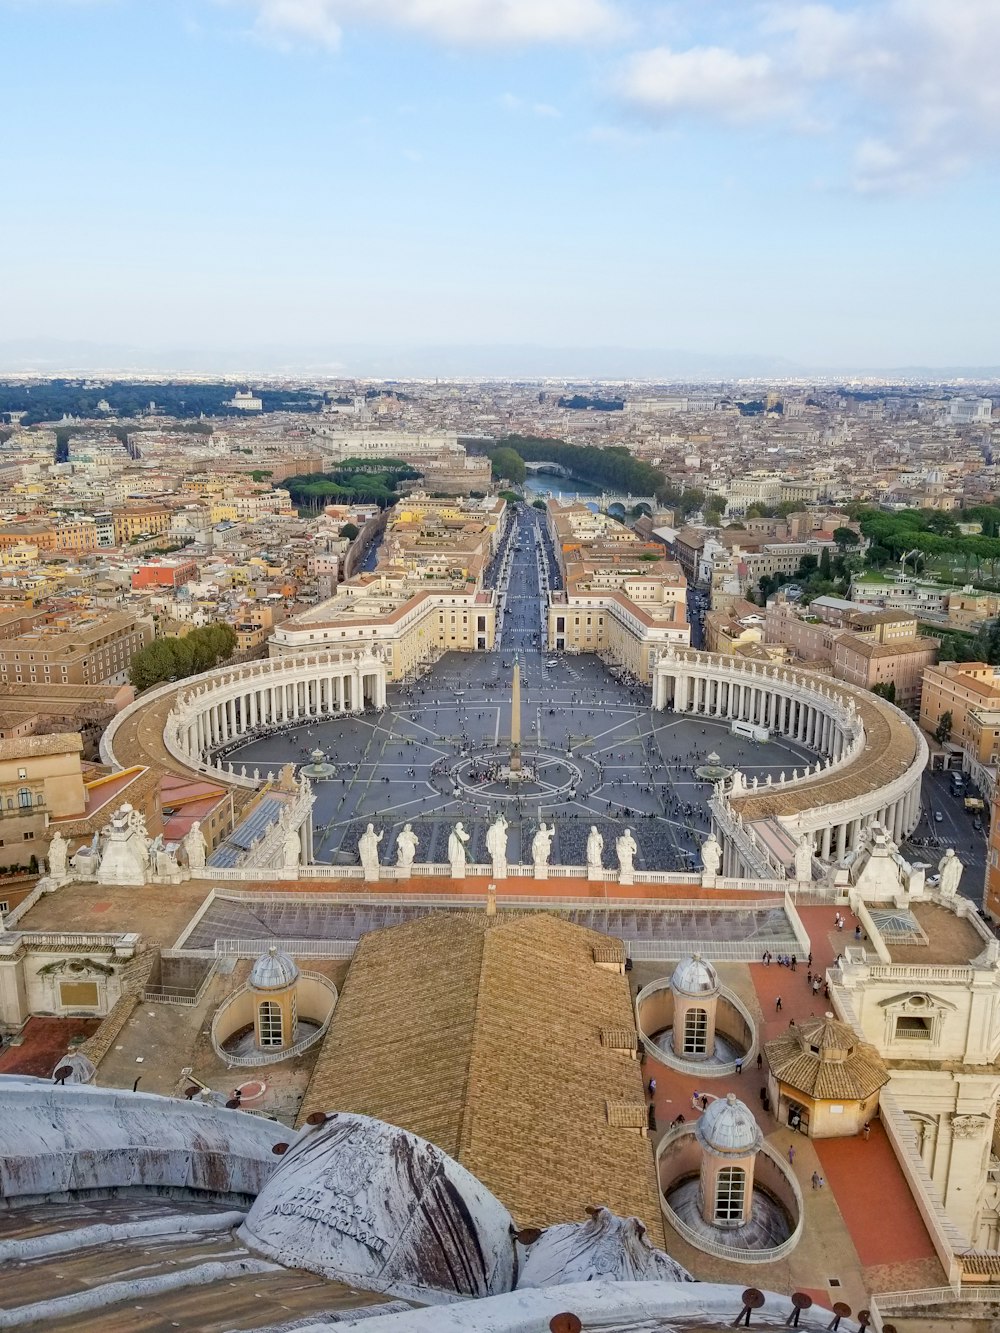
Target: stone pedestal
(708, 881)
(541, 872)
(595, 873)
(626, 877)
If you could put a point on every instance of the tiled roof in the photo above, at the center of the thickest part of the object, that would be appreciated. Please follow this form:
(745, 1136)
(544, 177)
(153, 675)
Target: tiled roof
(827, 1060)
(484, 1035)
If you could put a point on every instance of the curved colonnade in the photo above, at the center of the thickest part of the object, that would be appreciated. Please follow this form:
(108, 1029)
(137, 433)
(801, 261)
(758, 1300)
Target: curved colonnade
(871, 758)
(202, 715)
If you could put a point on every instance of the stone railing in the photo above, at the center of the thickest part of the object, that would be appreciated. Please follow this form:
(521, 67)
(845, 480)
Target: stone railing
(699, 1068)
(732, 1253)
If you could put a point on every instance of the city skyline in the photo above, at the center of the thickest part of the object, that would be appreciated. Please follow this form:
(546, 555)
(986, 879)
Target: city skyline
(809, 184)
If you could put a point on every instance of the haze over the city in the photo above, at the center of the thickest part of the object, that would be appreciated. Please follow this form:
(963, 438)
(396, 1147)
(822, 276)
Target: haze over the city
(516, 187)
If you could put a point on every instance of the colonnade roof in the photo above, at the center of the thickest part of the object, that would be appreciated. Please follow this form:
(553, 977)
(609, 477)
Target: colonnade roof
(889, 750)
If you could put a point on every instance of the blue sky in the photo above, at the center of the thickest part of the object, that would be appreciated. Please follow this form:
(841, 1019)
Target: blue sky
(812, 181)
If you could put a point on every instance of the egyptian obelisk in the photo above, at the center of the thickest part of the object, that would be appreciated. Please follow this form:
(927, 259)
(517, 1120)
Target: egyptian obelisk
(515, 720)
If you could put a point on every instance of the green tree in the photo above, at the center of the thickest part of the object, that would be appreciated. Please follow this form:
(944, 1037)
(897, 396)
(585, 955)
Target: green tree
(808, 566)
(508, 465)
(845, 538)
(887, 690)
(350, 531)
(942, 732)
(539, 504)
(825, 566)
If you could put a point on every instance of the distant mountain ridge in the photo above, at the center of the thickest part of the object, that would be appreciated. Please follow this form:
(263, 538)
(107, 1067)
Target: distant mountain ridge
(52, 357)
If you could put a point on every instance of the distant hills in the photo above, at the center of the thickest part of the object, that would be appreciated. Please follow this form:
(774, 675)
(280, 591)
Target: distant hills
(54, 357)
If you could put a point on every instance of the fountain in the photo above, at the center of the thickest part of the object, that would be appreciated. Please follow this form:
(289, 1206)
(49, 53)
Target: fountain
(319, 768)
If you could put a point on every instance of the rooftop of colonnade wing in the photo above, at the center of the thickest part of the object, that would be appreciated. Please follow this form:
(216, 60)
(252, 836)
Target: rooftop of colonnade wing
(891, 744)
(161, 914)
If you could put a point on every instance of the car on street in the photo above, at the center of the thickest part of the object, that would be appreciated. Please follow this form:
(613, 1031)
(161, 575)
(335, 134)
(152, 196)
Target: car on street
(938, 817)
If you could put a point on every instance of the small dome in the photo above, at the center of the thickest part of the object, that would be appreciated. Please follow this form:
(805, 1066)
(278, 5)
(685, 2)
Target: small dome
(365, 1203)
(729, 1128)
(694, 976)
(273, 970)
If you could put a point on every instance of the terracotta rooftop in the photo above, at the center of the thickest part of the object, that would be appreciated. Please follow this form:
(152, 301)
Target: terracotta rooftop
(483, 1034)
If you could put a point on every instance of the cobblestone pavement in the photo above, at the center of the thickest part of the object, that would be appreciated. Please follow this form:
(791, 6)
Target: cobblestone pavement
(601, 755)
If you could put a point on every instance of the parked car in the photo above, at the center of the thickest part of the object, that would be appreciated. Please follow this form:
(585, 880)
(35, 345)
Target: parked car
(938, 817)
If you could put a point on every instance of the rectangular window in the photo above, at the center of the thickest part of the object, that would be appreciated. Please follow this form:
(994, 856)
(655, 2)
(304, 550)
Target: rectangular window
(910, 1028)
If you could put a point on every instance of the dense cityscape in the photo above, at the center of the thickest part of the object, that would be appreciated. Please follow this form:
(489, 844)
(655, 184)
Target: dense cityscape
(500, 666)
(297, 686)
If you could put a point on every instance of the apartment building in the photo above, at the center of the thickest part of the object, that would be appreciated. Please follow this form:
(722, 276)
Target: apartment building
(620, 597)
(140, 520)
(863, 647)
(164, 574)
(970, 693)
(40, 779)
(85, 649)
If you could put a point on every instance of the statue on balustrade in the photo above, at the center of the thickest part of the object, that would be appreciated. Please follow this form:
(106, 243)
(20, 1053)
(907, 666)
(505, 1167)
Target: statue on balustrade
(58, 851)
(541, 845)
(804, 858)
(496, 845)
(368, 851)
(595, 849)
(626, 848)
(456, 850)
(711, 855)
(950, 869)
(195, 847)
(407, 843)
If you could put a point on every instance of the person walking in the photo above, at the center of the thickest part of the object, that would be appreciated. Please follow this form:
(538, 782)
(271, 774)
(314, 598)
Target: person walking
(777, 1005)
(866, 1131)
(760, 1060)
(791, 1154)
(817, 1181)
(739, 1064)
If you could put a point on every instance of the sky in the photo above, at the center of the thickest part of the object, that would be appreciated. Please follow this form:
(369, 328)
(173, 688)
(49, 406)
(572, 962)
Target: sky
(815, 182)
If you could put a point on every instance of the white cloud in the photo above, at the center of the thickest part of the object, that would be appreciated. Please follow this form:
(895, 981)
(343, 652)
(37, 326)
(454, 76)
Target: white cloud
(705, 79)
(911, 82)
(457, 22)
(511, 102)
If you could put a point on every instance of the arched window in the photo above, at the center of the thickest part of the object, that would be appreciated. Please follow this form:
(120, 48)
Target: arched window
(696, 1032)
(24, 798)
(730, 1191)
(269, 1024)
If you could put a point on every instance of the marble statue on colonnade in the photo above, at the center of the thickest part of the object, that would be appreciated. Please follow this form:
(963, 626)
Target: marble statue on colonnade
(457, 839)
(496, 845)
(58, 855)
(625, 849)
(292, 842)
(595, 851)
(368, 851)
(711, 856)
(125, 858)
(407, 843)
(195, 847)
(804, 858)
(541, 849)
(950, 869)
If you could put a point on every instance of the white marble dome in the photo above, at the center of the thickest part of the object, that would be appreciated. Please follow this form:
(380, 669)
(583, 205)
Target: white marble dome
(729, 1128)
(273, 970)
(369, 1204)
(694, 976)
(605, 1246)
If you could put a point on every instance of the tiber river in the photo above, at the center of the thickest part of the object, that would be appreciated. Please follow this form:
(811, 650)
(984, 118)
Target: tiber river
(540, 483)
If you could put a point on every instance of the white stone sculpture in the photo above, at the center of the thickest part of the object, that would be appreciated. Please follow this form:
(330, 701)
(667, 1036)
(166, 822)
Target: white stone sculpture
(496, 845)
(195, 847)
(407, 843)
(292, 848)
(625, 849)
(457, 839)
(804, 858)
(541, 848)
(368, 851)
(125, 858)
(950, 869)
(58, 852)
(595, 849)
(165, 862)
(711, 855)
